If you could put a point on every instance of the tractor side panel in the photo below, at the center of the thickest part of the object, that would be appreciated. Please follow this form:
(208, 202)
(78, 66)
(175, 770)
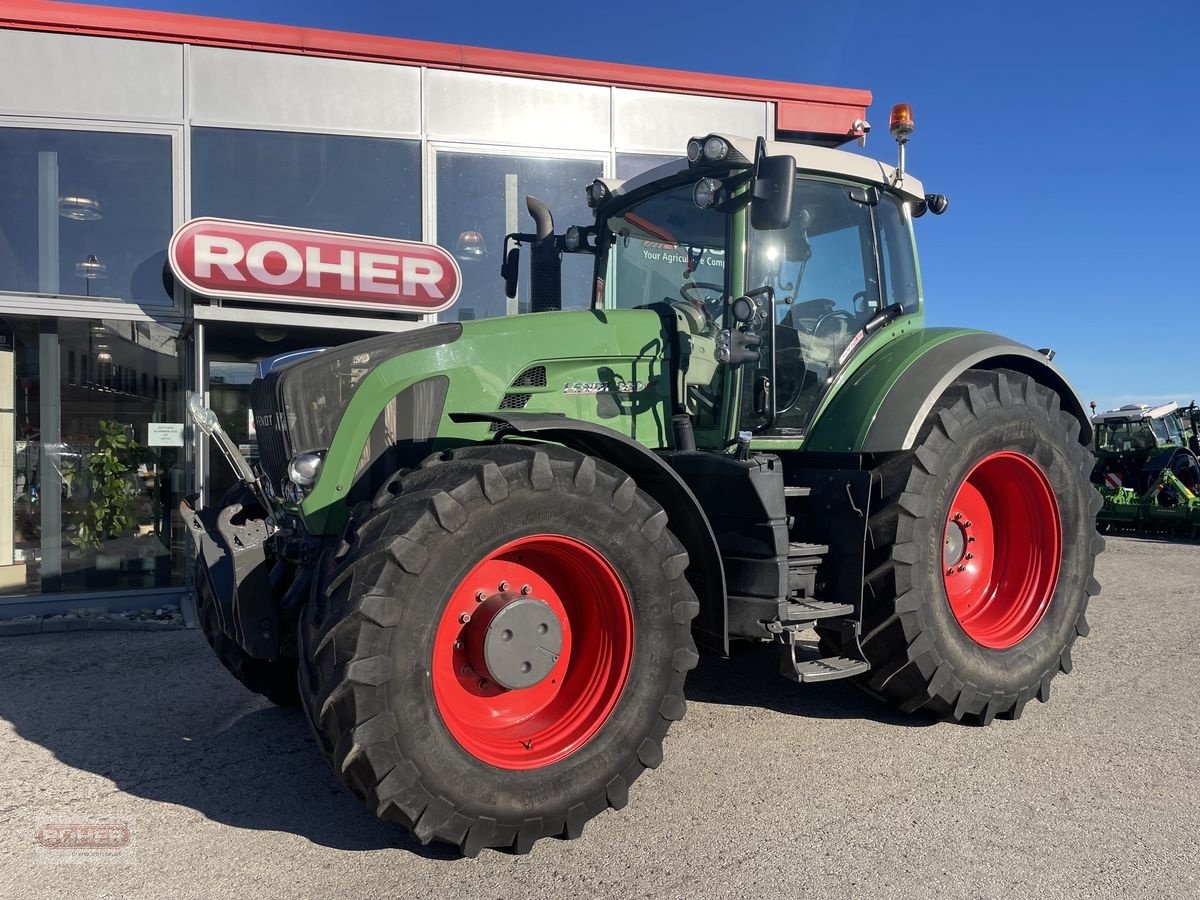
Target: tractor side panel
(882, 405)
(602, 368)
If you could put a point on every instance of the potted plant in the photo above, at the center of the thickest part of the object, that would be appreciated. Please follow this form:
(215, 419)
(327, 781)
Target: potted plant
(108, 510)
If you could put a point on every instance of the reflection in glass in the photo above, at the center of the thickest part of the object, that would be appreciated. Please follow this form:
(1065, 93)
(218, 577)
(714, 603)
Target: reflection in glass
(361, 185)
(485, 196)
(72, 196)
(91, 412)
(632, 164)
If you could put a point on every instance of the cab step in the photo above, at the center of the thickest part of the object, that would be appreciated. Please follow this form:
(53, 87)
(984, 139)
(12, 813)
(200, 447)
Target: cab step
(810, 669)
(811, 610)
(796, 491)
(829, 668)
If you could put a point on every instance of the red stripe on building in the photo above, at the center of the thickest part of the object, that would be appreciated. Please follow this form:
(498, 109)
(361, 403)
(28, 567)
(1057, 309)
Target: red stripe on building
(801, 108)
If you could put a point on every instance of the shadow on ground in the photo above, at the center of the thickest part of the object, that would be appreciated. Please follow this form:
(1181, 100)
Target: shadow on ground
(750, 677)
(157, 715)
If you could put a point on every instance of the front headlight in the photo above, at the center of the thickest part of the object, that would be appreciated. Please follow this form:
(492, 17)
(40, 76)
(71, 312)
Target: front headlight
(303, 468)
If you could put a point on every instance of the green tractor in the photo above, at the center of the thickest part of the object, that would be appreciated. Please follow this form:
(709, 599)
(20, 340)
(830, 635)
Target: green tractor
(492, 548)
(1146, 468)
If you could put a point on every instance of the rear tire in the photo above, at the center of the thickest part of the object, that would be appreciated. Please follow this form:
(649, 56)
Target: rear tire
(384, 671)
(275, 679)
(998, 447)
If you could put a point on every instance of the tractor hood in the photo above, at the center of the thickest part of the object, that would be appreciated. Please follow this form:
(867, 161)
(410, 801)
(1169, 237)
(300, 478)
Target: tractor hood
(366, 409)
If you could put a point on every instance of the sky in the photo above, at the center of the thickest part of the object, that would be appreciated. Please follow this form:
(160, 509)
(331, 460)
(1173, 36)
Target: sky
(1060, 131)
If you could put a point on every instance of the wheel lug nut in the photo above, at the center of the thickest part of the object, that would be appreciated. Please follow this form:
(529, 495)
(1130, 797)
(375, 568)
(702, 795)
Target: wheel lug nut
(957, 516)
(970, 556)
(526, 590)
(465, 618)
(970, 540)
(962, 568)
(967, 524)
(467, 670)
(950, 570)
(483, 683)
(503, 586)
(458, 645)
(480, 596)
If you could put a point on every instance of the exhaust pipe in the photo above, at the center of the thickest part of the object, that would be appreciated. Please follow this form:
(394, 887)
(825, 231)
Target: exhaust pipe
(545, 260)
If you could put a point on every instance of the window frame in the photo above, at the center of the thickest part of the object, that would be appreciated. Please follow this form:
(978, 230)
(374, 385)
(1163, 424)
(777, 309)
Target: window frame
(73, 305)
(433, 149)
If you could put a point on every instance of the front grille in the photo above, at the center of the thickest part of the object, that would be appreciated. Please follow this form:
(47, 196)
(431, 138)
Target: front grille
(273, 449)
(535, 376)
(298, 407)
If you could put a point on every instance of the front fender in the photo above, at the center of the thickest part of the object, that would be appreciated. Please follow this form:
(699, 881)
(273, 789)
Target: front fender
(685, 516)
(882, 405)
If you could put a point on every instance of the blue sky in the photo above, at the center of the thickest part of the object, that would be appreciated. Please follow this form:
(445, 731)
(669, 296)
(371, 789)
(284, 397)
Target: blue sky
(1064, 134)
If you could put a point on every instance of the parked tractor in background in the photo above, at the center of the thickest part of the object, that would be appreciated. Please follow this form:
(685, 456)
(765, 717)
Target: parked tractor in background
(1147, 469)
(490, 548)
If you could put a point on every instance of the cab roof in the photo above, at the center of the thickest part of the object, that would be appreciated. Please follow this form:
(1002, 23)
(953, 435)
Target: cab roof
(1134, 412)
(809, 159)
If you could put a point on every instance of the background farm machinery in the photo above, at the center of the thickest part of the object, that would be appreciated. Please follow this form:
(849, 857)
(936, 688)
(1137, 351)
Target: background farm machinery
(1147, 468)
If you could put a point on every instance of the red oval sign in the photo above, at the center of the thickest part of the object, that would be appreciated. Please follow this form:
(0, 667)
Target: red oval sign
(226, 258)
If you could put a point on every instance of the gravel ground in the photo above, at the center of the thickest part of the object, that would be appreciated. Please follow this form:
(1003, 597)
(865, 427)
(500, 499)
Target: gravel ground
(768, 788)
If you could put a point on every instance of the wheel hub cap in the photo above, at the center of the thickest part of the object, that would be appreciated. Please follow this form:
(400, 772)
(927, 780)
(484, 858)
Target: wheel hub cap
(514, 640)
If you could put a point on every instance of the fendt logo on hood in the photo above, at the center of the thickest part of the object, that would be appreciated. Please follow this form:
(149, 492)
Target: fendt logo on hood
(226, 258)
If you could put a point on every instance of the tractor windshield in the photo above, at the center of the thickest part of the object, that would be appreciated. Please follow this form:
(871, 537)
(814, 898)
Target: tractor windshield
(847, 254)
(1125, 437)
(666, 249)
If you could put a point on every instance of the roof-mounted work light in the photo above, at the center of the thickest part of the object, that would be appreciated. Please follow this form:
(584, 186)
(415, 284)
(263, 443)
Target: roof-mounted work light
(597, 193)
(710, 149)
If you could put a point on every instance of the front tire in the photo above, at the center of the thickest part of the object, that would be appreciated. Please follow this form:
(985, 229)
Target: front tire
(418, 704)
(982, 554)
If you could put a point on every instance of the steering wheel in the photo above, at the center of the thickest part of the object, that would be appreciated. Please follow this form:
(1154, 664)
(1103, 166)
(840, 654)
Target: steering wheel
(713, 306)
(836, 314)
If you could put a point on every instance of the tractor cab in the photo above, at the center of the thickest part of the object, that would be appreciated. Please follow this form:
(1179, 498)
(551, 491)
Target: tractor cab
(1137, 442)
(773, 264)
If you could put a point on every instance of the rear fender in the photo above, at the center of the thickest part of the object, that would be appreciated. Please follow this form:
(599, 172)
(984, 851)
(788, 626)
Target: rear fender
(881, 407)
(685, 517)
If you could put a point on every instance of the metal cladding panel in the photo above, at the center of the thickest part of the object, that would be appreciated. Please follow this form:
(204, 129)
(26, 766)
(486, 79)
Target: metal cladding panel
(653, 120)
(70, 75)
(532, 113)
(238, 87)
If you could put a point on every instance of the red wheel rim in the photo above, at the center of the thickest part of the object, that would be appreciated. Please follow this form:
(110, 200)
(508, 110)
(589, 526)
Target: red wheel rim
(535, 726)
(1002, 550)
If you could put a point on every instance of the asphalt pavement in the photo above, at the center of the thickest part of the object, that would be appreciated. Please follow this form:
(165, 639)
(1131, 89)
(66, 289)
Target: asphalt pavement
(768, 789)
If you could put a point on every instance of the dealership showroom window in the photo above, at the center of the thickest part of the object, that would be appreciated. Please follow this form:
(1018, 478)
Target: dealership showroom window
(90, 216)
(87, 480)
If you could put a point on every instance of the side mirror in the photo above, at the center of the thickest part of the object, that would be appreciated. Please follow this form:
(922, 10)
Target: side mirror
(771, 204)
(510, 269)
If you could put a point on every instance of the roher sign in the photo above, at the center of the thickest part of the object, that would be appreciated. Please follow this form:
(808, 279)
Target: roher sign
(247, 260)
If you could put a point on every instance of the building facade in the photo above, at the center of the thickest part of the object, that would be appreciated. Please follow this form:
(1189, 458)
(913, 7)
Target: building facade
(117, 126)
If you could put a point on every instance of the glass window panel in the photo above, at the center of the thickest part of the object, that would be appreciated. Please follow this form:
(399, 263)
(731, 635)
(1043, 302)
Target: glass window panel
(92, 414)
(329, 182)
(85, 213)
(481, 198)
